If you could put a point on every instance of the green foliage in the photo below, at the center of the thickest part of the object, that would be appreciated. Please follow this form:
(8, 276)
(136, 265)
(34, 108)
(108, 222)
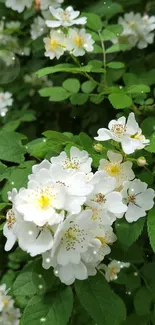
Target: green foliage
(97, 298)
(128, 233)
(54, 309)
(151, 227)
(120, 100)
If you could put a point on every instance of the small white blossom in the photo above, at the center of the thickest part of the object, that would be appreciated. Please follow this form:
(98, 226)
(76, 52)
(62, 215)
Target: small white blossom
(6, 101)
(55, 45)
(79, 42)
(44, 4)
(112, 269)
(35, 81)
(127, 133)
(38, 28)
(66, 18)
(114, 167)
(138, 198)
(137, 29)
(78, 160)
(18, 5)
(9, 315)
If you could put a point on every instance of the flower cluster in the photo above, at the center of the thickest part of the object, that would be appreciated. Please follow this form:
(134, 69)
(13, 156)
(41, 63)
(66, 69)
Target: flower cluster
(9, 315)
(6, 100)
(64, 38)
(21, 5)
(137, 29)
(10, 41)
(67, 212)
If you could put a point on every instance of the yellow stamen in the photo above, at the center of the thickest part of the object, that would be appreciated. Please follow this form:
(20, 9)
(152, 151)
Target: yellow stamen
(112, 169)
(78, 41)
(44, 201)
(54, 44)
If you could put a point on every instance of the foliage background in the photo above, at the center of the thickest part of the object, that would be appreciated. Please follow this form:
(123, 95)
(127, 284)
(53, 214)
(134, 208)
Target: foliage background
(30, 117)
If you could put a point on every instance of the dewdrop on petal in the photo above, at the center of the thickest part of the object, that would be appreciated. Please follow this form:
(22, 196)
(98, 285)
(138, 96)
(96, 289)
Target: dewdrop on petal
(141, 162)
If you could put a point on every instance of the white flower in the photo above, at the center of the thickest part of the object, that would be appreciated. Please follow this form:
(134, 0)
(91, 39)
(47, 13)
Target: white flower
(55, 45)
(114, 167)
(18, 5)
(6, 100)
(70, 272)
(38, 28)
(73, 238)
(78, 160)
(99, 247)
(66, 18)
(79, 42)
(44, 4)
(112, 269)
(38, 203)
(139, 199)
(9, 315)
(127, 133)
(103, 196)
(137, 29)
(35, 81)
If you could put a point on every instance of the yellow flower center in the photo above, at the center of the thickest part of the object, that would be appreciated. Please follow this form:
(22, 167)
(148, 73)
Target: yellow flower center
(112, 169)
(72, 233)
(5, 302)
(102, 240)
(72, 164)
(54, 44)
(132, 24)
(44, 201)
(78, 41)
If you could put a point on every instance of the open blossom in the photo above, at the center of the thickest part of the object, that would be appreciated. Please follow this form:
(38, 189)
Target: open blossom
(137, 29)
(9, 315)
(78, 160)
(18, 5)
(79, 42)
(66, 18)
(127, 133)
(38, 28)
(6, 100)
(112, 269)
(55, 44)
(115, 167)
(138, 198)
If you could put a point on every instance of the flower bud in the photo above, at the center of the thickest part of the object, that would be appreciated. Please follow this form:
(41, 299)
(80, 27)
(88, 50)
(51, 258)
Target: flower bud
(98, 147)
(141, 162)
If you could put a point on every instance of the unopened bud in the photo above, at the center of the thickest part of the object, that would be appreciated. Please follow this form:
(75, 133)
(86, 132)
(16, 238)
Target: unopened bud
(98, 147)
(141, 162)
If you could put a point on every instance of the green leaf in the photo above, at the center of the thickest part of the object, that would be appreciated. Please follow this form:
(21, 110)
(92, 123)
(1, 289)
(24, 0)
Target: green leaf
(23, 285)
(151, 227)
(116, 29)
(117, 48)
(88, 86)
(53, 309)
(151, 146)
(108, 35)
(11, 148)
(134, 319)
(142, 301)
(148, 126)
(116, 65)
(138, 89)
(72, 85)
(56, 94)
(79, 99)
(120, 100)
(100, 302)
(86, 141)
(37, 148)
(96, 99)
(128, 233)
(56, 136)
(65, 67)
(93, 21)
